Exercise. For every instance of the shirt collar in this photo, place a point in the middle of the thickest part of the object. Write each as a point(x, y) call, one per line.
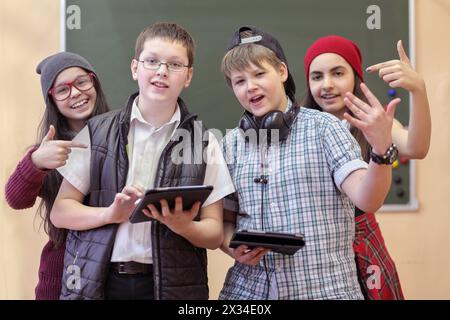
point(136, 115)
point(289, 105)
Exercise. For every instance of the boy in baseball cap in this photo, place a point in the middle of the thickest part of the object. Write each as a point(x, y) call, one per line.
point(303, 184)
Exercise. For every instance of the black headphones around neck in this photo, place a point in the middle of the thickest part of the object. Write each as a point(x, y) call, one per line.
point(278, 120)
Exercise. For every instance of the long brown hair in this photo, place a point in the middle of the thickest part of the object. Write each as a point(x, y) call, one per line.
point(53, 180)
point(309, 102)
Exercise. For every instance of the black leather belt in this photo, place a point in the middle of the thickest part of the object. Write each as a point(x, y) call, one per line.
point(132, 267)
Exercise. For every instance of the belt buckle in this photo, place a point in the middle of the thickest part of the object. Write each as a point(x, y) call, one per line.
point(121, 268)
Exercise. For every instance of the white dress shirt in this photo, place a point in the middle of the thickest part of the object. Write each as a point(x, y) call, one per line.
point(145, 145)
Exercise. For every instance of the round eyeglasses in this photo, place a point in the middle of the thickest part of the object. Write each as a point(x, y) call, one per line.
point(154, 64)
point(82, 83)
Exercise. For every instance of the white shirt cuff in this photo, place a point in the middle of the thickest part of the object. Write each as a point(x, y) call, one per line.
point(343, 172)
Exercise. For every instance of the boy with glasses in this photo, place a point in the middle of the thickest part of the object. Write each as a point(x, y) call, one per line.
point(130, 150)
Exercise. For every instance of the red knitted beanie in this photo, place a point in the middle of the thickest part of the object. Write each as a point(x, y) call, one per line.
point(335, 44)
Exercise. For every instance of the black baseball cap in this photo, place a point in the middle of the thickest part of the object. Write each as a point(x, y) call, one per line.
point(266, 40)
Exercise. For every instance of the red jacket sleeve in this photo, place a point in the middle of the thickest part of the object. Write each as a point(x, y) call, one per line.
point(24, 184)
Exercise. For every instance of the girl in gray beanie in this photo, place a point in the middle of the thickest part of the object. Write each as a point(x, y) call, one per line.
point(72, 94)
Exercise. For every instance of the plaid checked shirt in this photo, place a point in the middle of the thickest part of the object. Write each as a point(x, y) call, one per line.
point(302, 196)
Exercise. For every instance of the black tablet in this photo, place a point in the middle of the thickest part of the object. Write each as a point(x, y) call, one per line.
point(285, 243)
point(190, 195)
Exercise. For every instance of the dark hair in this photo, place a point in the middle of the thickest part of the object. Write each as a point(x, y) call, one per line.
point(169, 31)
point(53, 180)
point(309, 102)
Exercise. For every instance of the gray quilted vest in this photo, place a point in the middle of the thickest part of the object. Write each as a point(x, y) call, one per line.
point(180, 269)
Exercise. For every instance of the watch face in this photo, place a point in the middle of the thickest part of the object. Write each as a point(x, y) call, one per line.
point(388, 158)
point(393, 155)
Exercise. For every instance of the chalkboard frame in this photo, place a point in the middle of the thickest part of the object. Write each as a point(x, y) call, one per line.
point(413, 203)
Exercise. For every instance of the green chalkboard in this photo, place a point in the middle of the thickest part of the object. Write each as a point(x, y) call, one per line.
point(105, 31)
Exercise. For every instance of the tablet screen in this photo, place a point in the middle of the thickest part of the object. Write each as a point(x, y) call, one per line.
point(189, 194)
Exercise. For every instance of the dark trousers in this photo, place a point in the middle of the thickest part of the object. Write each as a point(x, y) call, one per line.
point(129, 286)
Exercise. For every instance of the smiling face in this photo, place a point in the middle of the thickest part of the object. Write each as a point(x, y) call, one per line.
point(78, 107)
point(330, 78)
point(161, 87)
point(260, 89)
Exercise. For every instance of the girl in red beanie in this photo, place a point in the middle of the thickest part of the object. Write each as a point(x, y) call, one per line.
point(333, 69)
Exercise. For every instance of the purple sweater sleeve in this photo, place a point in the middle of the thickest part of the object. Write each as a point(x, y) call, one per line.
point(24, 184)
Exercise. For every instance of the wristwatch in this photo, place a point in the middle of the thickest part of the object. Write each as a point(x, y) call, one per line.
point(387, 158)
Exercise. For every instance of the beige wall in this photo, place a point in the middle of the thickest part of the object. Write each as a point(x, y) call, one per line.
point(417, 241)
point(29, 31)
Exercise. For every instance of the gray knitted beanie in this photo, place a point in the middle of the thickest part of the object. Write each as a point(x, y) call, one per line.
point(50, 67)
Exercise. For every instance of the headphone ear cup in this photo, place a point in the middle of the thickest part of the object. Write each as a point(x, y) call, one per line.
point(247, 122)
point(280, 121)
point(272, 120)
point(290, 116)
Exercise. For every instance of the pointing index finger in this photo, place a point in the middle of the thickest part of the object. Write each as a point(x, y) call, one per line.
point(72, 144)
point(380, 65)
